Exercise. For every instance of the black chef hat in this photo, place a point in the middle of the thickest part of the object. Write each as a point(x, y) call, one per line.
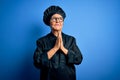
point(50, 11)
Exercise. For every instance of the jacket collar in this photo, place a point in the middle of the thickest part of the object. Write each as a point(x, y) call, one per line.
point(52, 35)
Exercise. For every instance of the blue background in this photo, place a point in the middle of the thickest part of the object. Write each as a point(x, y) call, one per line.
point(94, 23)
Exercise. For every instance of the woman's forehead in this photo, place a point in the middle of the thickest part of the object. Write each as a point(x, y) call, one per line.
point(56, 15)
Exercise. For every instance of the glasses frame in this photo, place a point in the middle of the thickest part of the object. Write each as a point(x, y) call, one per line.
point(55, 19)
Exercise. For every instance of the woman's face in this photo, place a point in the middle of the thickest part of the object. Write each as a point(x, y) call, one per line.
point(56, 22)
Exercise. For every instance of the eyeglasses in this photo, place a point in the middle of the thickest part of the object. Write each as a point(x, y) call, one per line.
point(54, 19)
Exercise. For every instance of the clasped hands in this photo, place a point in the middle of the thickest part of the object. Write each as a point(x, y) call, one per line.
point(59, 44)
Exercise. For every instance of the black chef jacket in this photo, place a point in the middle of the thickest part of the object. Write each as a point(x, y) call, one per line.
point(60, 66)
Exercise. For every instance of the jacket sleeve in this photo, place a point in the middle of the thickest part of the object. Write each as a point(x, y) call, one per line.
point(74, 54)
point(40, 56)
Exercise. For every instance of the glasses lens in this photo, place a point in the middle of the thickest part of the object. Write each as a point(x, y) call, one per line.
point(54, 19)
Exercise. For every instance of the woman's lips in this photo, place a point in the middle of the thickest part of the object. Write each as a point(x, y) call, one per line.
point(56, 24)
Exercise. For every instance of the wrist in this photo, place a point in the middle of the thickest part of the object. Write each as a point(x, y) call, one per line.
point(64, 50)
point(55, 49)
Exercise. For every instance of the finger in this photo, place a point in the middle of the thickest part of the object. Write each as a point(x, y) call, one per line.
point(59, 33)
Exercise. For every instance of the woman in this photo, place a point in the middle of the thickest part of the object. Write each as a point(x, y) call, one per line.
point(56, 53)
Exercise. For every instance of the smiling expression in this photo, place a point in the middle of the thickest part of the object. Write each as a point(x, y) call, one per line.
point(56, 22)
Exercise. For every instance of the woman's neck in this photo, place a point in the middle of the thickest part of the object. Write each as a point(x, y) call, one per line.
point(56, 32)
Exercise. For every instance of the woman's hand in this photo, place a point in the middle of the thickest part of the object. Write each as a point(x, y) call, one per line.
point(59, 43)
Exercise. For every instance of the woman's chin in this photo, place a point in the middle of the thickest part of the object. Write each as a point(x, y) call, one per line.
point(57, 29)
